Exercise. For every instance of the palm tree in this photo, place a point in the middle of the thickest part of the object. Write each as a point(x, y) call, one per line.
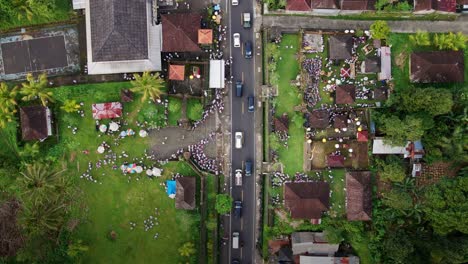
point(45, 218)
point(41, 183)
point(37, 89)
point(24, 9)
point(70, 106)
point(148, 85)
point(5, 118)
point(8, 98)
point(187, 249)
point(421, 38)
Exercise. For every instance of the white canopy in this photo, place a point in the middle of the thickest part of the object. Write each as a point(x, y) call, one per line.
point(216, 74)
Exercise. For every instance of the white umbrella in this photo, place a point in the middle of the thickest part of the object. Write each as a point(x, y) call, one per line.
point(113, 126)
point(172, 196)
point(138, 169)
point(157, 172)
point(350, 150)
point(123, 134)
point(338, 82)
point(143, 133)
point(344, 129)
point(103, 128)
point(337, 145)
point(149, 172)
point(101, 149)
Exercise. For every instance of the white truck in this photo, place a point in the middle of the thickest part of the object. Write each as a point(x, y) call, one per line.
point(246, 20)
point(235, 240)
point(238, 177)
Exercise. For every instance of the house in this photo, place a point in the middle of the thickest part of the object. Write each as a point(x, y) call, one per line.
point(371, 65)
point(217, 74)
point(426, 6)
point(285, 255)
point(328, 260)
point(185, 193)
point(298, 5)
point(180, 32)
point(307, 200)
point(313, 243)
point(340, 47)
point(380, 93)
point(36, 122)
point(345, 94)
point(318, 119)
point(176, 72)
point(437, 67)
point(358, 196)
point(358, 5)
point(385, 64)
point(340, 121)
point(324, 4)
point(335, 161)
point(121, 37)
point(413, 150)
point(281, 124)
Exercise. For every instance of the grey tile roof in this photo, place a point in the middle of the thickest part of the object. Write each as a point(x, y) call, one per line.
point(119, 30)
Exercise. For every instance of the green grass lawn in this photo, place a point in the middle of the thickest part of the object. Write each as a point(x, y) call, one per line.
point(289, 96)
point(194, 109)
point(174, 116)
point(116, 199)
point(338, 196)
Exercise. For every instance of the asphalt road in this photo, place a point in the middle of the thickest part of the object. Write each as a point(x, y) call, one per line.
point(243, 121)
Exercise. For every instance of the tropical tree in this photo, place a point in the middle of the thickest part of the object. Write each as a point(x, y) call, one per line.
point(187, 249)
point(195, 112)
point(37, 89)
point(70, 106)
point(8, 98)
point(421, 38)
point(398, 131)
point(223, 203)
point(392, 171)
point(5, 118)
point(450, 41)
point(42, 219)
point(41, 183)
point(434, 101)
point(33, 8)
point(148, 85)
point(380, 29)
point(30, 150)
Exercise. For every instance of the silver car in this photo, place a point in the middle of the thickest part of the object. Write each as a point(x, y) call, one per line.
point(238, 140)
point(237, 42)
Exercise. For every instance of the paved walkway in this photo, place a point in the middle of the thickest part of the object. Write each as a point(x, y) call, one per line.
point(408, 26)
point(175, 138)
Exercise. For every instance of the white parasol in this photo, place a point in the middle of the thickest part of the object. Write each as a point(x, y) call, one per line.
point(103, 128)
point(101, 149)
point(113, 126)
point(337, 145)
point(143, 133)
point(138, 169)
point(172, 196)
point(149, 172)
point(123, 134)
point(157, 172)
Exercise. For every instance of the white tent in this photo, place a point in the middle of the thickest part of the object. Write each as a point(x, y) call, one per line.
point(217, 74)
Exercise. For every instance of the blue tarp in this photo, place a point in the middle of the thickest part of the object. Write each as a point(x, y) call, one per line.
point(171, 187)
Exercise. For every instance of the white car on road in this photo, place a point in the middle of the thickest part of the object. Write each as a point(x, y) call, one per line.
point(235, 2)
point(237, 42)
point(238, 140)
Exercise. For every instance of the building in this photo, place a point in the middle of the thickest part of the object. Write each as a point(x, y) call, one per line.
point(357, 5)
point(318, 119)
point(176, 72)
point(340, 47)
point(413, 150)
point(121, 37)
point(205, 36)
point(298, 5)
point(340, 121)
point(380, 93)
point(358, 196)
point(185, 193)
point(180, 32)
point(345, 94)
point(281, 124)
point(328, 260)
point(335, 161)
point(307, 200)
point(36, 122)
point(427, 6)
point(437, 67)
point(371, 65)
point(313, 243)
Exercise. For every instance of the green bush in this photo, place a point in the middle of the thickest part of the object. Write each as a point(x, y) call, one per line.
point(194, 109)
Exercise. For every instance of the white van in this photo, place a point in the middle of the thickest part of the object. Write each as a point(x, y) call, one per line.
point(238, 177)
point(235, 240)
point(238, 139)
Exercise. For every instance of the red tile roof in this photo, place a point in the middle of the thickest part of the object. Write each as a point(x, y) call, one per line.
point(340, 121)
point(437, 67)
point(345, 94)
point(319, 119)
point(307, 200)
point(205, 36)
point(176, 72)
point(358, 196)
point(34, 122)
point(180, 32)
point(324, 4)
point(281, 124)
point(298, 5)
point(358, 4)
point(439, 5)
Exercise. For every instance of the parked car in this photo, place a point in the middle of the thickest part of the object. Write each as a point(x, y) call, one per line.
point(238, 140)
point(236, 37)
point(246, 22)
point(235, 261)
point(248, 168)
point(235, 2)
point(239, 87)
point(248, 49)
point(238, 177)
point(251, 103)
point(238, 209)
point(235, 240)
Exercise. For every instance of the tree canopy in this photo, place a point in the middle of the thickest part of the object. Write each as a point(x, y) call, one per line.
point(223, 203)
point(380, 29)
point(398, 131)
point(434, 101)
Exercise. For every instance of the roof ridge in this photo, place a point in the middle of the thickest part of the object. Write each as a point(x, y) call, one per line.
point(183, 31)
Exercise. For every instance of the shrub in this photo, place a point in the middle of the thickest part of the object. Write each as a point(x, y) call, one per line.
point(194, 110)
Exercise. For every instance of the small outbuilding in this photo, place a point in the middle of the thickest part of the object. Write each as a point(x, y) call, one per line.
point(345, 94)
point(185, 193)
point(36, 122)
point(176, 72)
point(358, 196)
point(340, 47)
